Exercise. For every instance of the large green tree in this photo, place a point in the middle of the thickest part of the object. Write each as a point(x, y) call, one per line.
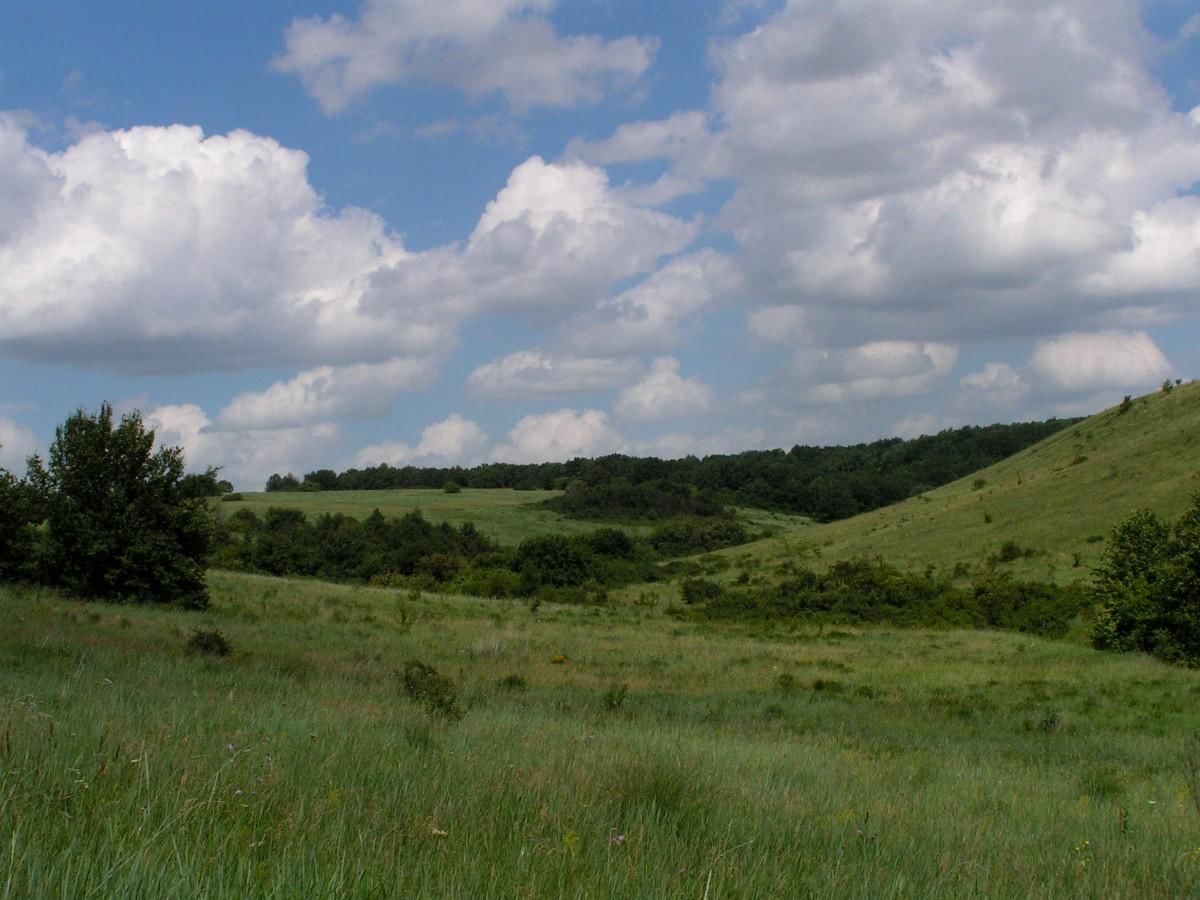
point(1147, 587)
point(124, 522)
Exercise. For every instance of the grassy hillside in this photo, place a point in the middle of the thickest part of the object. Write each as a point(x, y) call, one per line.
point(605, 752)
point(1057, 500)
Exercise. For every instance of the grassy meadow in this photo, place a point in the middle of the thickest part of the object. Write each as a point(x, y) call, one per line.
point(1056, 500)
point(604, 752)
point(506, 516)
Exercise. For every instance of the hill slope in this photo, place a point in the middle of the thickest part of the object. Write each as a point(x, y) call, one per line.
point(1055, 500)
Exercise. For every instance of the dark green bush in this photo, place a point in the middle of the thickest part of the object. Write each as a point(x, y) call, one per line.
point(1147, 587)
point(208, 642)
point(437, 693)
point(699, 590)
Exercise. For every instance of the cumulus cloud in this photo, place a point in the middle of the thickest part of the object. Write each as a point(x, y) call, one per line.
point(663, 394)
point(482, 47)
point(895, 165)
point(996, 383)
point(452, 442)
point(162, 250)
point(778, 324)
point(874, 371)
point(1106, 359)
point(327, 392)
point(532, 373)
point(246, 458)
point(654, 314)
point(17, 442)
point(560, 435)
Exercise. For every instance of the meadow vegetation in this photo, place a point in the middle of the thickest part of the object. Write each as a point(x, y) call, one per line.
point(597, 751)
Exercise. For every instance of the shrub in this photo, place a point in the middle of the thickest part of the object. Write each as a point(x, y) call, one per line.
point(699, 590)
point(614, 697)
point(1147, 587)
point(208, 642)
point(512, 683)
point(437, 693)
point(451, 487)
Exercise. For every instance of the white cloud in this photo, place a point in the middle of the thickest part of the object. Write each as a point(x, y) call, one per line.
point(878, 370)
point(246, 458)
point(1106, 359)
point(560, 435)
point(17, 442)
point(532, 373)
point(996, 383)
point(663, 394)
point(778, 324)
point(453, 441)
point(326, 393)
point(160, 250)
point(653, 314)
point(895, 165)
point(482, 47)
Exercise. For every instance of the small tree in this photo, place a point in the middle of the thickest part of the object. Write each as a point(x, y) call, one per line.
point(124, 522)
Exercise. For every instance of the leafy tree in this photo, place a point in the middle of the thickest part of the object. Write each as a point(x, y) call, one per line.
point(124, 523)
point(1147, 587)
point(19, 516)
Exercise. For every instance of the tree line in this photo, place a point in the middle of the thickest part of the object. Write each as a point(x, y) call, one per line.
point(826, 483)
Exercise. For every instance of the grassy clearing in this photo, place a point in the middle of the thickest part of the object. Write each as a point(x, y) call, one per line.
point(804, 762)
point(506, 516)
point(1057, 499)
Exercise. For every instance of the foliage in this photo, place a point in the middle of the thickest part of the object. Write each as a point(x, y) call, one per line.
point(19, 539)
point(451, 487)
point(208, 642)
point(825, 483)
point(699, 590)
point(691, 536)
point(870, 591)
point(437, 693)
point(1147, 587)
point(124, 522)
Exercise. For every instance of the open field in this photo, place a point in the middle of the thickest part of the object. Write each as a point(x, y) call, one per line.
point(781, 763)
point(504, 515)
point(1058, 498)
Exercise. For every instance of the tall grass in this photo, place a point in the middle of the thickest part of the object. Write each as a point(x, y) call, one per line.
point(885, 763)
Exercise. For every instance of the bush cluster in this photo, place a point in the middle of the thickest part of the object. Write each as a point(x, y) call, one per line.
point(1147, 587)
point(870, 591)
point(411, 551)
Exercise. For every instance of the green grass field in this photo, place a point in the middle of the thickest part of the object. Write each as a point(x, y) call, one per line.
point(506, 516)
point(784, 763)
point(1058, 498)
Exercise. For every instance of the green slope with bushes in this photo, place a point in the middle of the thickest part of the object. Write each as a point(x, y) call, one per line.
point(1043, 513)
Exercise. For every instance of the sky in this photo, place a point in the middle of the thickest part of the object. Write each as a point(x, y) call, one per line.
point(336, 233)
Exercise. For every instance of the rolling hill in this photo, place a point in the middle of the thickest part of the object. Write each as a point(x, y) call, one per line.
point(1053, 503)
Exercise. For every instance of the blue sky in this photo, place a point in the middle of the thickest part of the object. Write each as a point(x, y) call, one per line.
point(327, 234)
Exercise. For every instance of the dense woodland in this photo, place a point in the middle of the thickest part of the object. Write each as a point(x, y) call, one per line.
point(826, 483)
